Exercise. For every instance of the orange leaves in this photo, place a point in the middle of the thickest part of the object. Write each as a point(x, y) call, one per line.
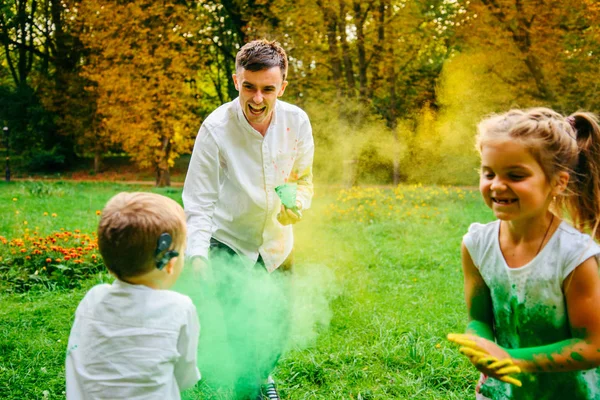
point(140, 61)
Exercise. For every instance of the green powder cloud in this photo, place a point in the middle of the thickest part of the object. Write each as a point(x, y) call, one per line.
point(250, 318)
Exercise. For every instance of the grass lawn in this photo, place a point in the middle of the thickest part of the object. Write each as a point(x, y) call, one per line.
point(395, 255)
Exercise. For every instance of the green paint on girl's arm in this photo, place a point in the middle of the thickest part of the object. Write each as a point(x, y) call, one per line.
point(570, 354)
point(480, 314)
point(481, 329)
point(550, 351)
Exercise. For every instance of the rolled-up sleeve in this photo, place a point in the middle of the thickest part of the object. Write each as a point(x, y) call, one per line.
point(303, 165)
point(200, 192)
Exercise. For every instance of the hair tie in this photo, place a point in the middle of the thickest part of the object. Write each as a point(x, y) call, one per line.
point(571, 121)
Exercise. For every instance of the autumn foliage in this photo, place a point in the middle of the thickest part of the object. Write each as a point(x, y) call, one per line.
point(141, 53)
point(138, 76)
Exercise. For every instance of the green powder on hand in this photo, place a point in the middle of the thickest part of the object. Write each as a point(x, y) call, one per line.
point(287, 194)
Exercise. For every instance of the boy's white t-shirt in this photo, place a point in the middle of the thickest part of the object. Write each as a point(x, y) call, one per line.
point(132, 342)
point(529, 307)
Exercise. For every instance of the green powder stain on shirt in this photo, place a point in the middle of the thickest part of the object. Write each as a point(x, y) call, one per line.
point(540, 329)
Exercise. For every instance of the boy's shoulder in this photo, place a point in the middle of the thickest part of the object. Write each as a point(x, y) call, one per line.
point(136, 305)
point(122, 290)
point(96, 293)
point(173, 297)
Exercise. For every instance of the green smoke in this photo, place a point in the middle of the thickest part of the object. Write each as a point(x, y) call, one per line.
point(249, 318)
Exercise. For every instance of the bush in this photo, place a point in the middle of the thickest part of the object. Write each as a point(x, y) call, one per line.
point(58, 261)
point(46, 160)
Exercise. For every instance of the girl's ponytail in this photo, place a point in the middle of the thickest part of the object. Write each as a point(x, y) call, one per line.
point(584, 203)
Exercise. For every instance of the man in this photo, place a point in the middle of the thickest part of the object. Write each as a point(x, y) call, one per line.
point(244, 150)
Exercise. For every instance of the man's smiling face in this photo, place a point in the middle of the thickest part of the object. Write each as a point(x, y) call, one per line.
point(259, 91)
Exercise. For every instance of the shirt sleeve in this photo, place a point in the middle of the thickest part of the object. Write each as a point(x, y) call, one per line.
point(200, 192)
point(579, 250)
point(186, 369)
point(303, 165)
point(471, 242)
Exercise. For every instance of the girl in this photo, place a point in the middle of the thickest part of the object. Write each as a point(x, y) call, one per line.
point(531, 279)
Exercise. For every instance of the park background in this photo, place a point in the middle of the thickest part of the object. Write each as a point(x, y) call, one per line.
point(394, 88)
point(116, 91)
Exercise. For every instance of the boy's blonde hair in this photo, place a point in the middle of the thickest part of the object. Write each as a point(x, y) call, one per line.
point(130, 227)
point(558, 143)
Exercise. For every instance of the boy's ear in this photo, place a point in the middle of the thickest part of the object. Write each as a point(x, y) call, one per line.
point(170, 267)
point(560, 183)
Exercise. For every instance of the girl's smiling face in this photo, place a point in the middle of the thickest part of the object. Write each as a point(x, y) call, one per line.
point(512, 182)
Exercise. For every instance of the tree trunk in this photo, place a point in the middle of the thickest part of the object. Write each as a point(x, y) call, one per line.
point(163, 176)
point(330, 22)
point(378, 48)
point(360, 17)
point(396, 156)
point(347, 57)
point(393, 116)
point(350, 173)
point(97, 161)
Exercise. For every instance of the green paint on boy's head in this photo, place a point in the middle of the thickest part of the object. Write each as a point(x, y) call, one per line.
point(577, 357)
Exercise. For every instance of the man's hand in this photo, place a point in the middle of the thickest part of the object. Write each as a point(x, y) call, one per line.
point(288, 216)
point(487, 357)
point(201, 268)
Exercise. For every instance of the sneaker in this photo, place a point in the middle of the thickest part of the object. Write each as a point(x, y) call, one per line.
point(269, 391)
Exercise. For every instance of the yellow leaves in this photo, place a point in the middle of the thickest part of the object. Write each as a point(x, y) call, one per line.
point(139, 63)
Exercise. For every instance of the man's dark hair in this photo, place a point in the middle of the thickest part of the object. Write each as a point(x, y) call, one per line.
point(258, 55)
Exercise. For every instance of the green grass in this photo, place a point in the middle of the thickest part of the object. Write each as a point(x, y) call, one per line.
point(399, 293)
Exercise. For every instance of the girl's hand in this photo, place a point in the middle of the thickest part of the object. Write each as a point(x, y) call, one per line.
point(489, 358)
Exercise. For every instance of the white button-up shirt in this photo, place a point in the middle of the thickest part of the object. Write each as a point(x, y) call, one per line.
point(132, 342)
point(229, 190)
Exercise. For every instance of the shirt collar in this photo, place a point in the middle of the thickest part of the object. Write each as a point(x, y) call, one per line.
point(129, 286)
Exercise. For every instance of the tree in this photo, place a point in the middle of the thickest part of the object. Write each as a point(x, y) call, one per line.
point(380, 57)
point(141, 55)
point(548, 46)
point(26, 37)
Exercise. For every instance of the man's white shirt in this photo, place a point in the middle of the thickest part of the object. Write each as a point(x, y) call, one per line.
point(229, 192)
point(132, 342)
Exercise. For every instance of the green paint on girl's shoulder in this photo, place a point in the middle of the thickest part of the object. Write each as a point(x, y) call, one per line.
point(577, 357)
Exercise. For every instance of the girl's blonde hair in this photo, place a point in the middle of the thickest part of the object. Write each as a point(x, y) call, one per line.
point(558, 143)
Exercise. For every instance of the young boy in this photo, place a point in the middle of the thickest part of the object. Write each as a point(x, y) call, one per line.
point(134, 339)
